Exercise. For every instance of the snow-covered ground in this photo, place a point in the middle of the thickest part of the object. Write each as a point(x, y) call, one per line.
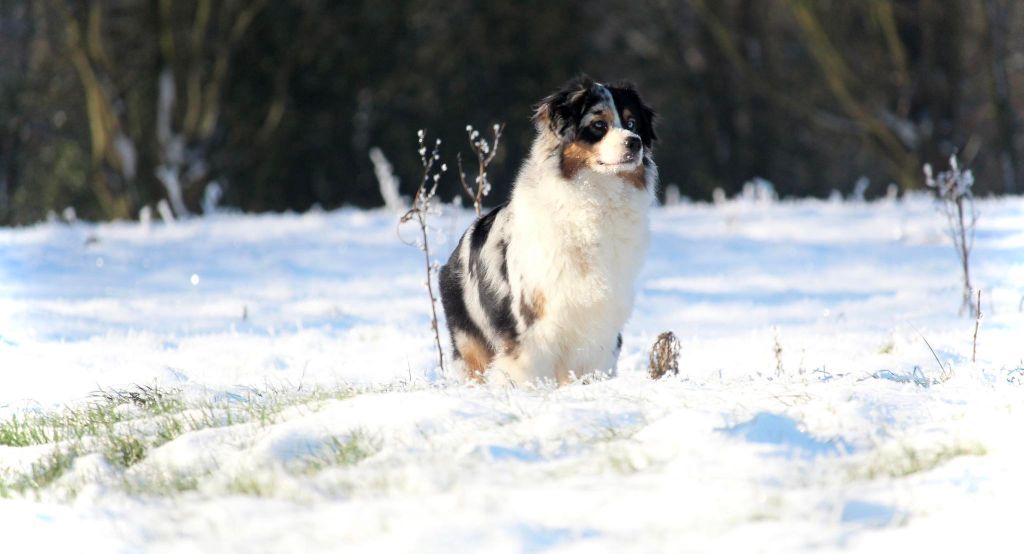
point(851, 438)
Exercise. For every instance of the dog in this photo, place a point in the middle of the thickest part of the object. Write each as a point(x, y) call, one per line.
point(538, 290)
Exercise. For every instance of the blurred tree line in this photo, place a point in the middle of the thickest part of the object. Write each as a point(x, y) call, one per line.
point(112, 105)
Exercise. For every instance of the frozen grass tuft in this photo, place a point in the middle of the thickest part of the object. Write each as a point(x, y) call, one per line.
point(69, 424)
point(345, 451)
point(125, 426)
point(902, 460)
point(124, 450)
point(42, 473)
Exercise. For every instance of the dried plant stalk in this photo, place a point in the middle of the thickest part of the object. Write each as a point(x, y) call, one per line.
point(954, 189)
point(420, 211)
point(485, 153)
point(664, 357)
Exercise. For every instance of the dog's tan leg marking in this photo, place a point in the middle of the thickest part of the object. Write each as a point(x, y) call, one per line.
point(534, 310)
point(539, 301)
point(476, 355)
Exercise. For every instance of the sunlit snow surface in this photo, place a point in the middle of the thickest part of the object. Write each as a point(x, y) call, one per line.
point(731, 456)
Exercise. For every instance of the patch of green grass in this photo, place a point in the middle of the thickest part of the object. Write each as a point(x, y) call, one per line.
point(161, 483)
point(342, 451)
point(622, 463)
point(125, 425)
point(68, 424)
point(25, 431)
point(168, 429)
point(908, 460)
point(337, 392)
point(353, 449)
point(112, 407)
point(249, 485)
point(124, 450)
point(42, 473)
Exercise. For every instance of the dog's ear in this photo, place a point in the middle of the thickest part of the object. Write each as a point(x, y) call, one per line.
point(627, 95)
point(562, 110)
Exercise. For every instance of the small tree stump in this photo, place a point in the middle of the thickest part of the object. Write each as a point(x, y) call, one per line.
point(664, 356)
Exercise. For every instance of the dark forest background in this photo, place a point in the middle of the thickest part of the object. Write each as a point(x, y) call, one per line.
point(103, 103)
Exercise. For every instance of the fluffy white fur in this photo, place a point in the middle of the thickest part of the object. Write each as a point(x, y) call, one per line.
point(581, 245)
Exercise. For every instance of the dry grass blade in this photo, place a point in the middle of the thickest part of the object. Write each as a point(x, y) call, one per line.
point(977, 323)
point(946, 373)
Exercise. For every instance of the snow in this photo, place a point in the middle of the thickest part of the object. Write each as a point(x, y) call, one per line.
point(858, 443)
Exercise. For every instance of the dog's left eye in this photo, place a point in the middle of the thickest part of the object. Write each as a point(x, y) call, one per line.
point(631, 124)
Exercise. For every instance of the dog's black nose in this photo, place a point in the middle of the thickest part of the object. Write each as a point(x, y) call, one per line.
point(633, 143)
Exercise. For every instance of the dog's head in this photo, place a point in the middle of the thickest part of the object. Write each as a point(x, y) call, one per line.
point(602, 128)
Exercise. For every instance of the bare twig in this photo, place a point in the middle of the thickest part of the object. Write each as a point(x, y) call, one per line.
point(777, 349)
point(977, 323)
point(954, 189)
point(485, 153)
point(462, 179)
point(664, 356)
point(420, 210)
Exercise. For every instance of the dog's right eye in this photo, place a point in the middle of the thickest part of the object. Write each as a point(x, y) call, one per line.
point(599, 126)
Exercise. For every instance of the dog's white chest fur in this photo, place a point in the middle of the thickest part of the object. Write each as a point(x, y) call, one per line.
point(576, 248)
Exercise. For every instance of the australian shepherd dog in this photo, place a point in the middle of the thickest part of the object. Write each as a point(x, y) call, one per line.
point(539, 288)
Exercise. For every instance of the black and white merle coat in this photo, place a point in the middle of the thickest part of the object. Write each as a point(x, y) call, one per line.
point(539, 289)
